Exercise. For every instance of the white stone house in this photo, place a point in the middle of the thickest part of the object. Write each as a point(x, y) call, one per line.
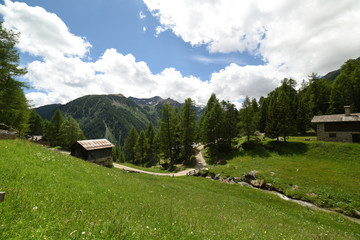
point(338, 127)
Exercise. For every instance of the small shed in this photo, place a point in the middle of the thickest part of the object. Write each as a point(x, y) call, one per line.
point(98, 151)
point(338, 127)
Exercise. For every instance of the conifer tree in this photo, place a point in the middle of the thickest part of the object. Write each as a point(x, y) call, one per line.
point(129, 146)
point(230, 129)
point(188, 127)
point(166, 133)
point(140, 149)
point(35, 123)
point(151, 150)
point(247, 123)
point(70, 132)
point(55, 124)
point(13, 104)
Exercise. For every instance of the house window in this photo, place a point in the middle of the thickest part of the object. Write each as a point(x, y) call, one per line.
point(332, 135)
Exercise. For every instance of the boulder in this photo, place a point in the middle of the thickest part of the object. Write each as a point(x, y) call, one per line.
point(255, 183)
point(237, 179)
point(249, 176)
point(243, 184)
point(217, 177)
point(231, 181)
point(269, 186)
point(262, 184)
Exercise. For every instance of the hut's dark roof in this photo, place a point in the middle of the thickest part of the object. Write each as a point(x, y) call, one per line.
point(354, 117)
point(95, 144)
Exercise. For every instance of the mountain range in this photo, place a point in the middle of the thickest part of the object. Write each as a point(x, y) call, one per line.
point(112, 116)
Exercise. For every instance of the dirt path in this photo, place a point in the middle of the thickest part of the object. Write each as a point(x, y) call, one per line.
point(200, 164)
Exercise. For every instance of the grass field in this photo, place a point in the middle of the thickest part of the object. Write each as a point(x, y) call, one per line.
point(54, 196)
point(324, 173)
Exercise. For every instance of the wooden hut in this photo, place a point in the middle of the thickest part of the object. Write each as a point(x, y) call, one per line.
point(98, 151)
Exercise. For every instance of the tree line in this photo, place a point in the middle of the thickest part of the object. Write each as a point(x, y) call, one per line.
point(284, 111)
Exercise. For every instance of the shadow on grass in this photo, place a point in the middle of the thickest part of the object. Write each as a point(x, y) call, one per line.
point(287, 148)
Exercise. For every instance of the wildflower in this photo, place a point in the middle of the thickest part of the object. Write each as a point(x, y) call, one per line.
point(147, 227)
point(35, 208)
point(73, 232)
point(83, 233)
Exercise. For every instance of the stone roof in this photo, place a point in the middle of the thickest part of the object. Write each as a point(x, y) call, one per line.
point(95, 144)
point(354, 117)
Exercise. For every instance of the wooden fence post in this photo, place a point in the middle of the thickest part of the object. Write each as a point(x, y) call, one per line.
point(2, 196)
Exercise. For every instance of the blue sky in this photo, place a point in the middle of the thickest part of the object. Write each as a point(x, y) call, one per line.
point(117, 24)
point(179, 48)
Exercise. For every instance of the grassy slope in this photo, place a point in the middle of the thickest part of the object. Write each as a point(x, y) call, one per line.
point(54, 196)
point(326, 173)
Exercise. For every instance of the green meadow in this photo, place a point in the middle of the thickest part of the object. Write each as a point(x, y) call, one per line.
point(50, 195)
point(325, 173)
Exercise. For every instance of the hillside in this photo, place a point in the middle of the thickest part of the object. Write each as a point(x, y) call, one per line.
point(54, 196)
point(331, 76)
point(307, 170)
point(111, 116)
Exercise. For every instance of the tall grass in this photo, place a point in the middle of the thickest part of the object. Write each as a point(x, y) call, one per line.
point(53, 196)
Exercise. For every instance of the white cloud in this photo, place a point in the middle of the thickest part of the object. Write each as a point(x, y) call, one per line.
point(302, 36)
point(62, 74)
point(42, 33)
point(142, 15)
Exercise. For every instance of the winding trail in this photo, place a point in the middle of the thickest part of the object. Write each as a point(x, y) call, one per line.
point(200, 164)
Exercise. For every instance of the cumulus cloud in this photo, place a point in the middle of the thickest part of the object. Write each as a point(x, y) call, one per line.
point(42, 33)
point(63, 73)
point(301, 36)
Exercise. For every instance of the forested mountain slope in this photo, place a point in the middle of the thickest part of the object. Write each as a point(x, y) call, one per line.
point(111, 116)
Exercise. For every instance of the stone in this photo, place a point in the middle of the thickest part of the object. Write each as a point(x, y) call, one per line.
point(249, 176)
point(237, 179)
point(231, 182)
point(2, 196)
point(295, 187)
point(208, 177)
point(243, 184)
point(255, 183)
point(269, 186)
point(262, 184)
point(357, 213)
point(217, 176)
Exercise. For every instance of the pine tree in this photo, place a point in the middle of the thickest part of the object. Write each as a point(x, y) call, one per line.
point(284, 117)
point(35, 123)
point(263, 114)
point(272, 129)
point(151, 151)
point(140, 149)
point(188, 127)
point(176, 135)
point(247, 123)
point(166, 133)
point(70, 132)
point(55, 124)
point(13, 104)
point(212, 121)
point(230, 129)
point(129, 146)
point(203, 131)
